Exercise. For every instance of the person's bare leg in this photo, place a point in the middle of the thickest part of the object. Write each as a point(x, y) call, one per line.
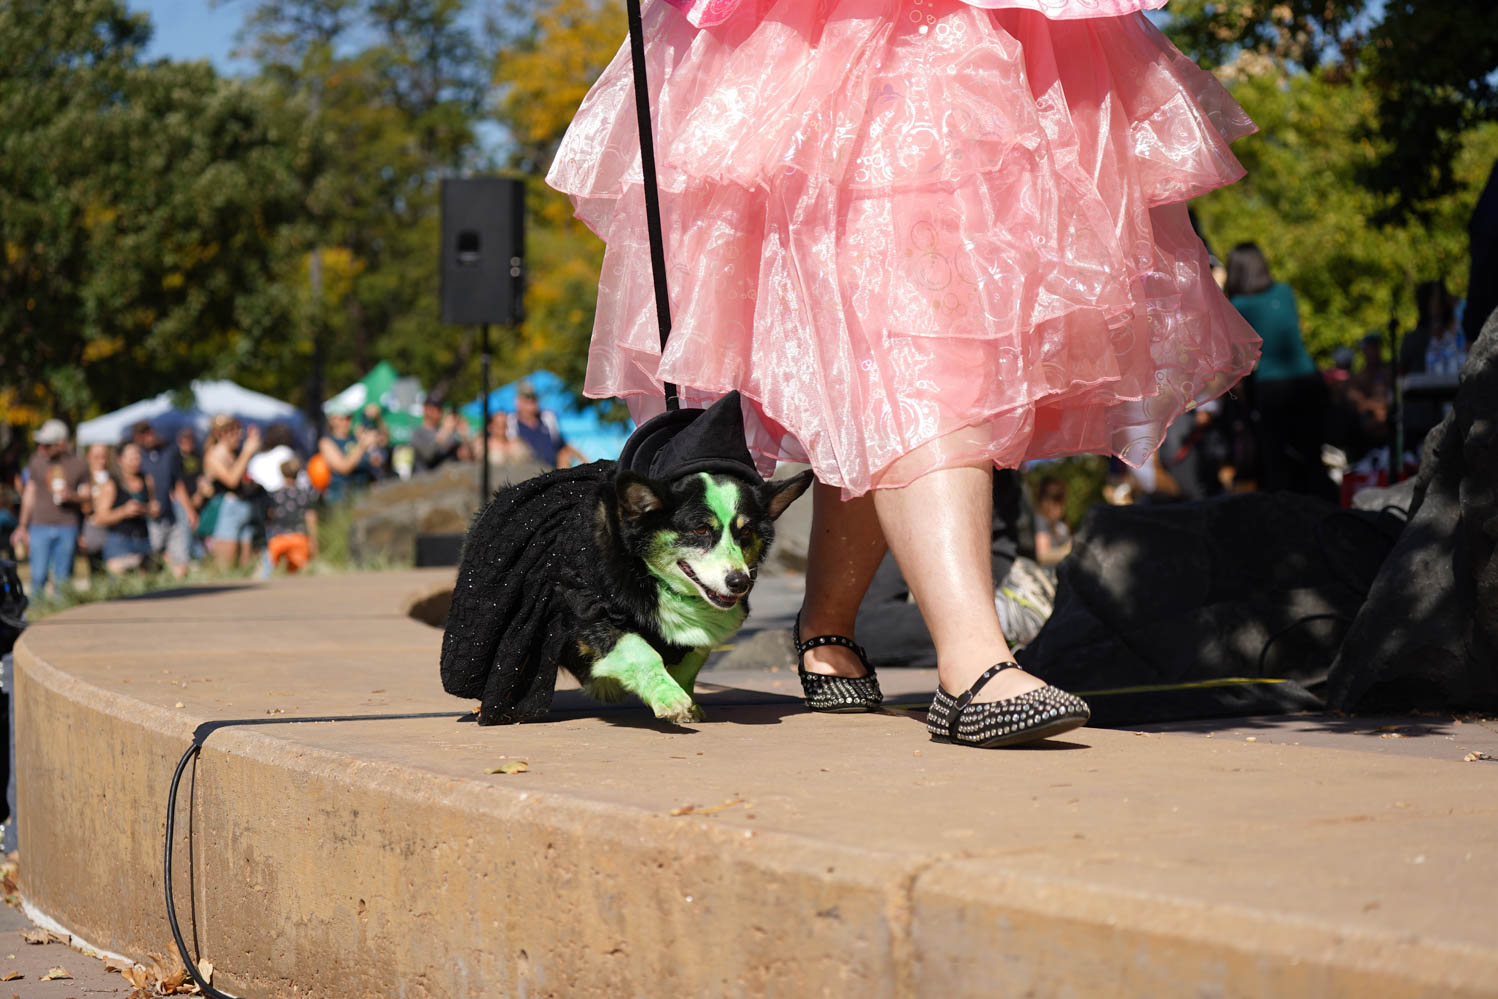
point(844, 552)
point(223, 553)
point(938, 527)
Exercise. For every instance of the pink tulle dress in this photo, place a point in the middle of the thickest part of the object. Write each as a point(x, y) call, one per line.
point(914, 233)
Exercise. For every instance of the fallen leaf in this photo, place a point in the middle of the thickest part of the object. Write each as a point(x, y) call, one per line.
point(513, 767)
point(1252, 738)
point(1474, 757)
point(206, 970)
point(1391, 735)
point(137, 976)
point(181, 705)
point(56, 974)
point(35, 936)
point(710, 809)
point(12, 976)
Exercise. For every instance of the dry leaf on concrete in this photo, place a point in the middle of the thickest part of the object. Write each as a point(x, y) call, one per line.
point(708, 810)
point(56, 974)
point(513, 767)
point(1474, 757)
point(1391, 735)
point(12, 976)
point(40, 936)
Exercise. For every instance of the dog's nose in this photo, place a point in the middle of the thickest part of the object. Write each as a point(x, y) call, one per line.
point(738, 582)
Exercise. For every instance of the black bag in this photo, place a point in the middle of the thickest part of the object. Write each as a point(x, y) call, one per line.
point(12, 606)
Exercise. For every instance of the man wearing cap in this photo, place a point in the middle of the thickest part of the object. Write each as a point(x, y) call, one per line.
point(439, 438)
point(170, 531)
point(52, 508)
point(540, 431)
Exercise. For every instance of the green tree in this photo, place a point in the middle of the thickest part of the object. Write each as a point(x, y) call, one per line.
point(394, 89)
point(1429, 65)
point(1303, 203)
point(143, 209)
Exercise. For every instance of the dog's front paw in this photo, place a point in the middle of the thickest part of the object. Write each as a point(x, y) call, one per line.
point(676, 707)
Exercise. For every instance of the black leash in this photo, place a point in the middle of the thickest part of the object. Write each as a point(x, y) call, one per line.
point(652, 193)
point(171, 904)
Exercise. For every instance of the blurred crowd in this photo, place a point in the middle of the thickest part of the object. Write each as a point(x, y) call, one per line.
point(238, 498)
point(1323, 430)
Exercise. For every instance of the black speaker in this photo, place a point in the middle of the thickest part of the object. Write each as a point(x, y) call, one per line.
point(483, 250)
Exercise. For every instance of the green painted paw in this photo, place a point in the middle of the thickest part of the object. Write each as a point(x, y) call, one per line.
point(671, 703)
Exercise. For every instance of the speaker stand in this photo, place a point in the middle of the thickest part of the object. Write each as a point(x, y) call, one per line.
point(484, 428)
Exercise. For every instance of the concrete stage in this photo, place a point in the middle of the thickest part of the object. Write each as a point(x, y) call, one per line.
point(339, 835)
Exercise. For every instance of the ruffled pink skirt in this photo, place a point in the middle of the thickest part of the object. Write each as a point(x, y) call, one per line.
point(914, 233)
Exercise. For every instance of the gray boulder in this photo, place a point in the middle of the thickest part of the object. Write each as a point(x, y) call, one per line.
point(1427, 636)
point(391, 513)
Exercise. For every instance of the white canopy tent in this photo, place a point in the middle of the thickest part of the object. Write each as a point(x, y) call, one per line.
point(209, 398)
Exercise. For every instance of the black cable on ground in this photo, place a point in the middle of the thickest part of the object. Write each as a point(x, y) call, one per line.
point(171, 905)
point(1307, 619)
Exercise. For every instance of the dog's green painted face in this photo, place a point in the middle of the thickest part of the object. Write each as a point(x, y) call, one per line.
point(712, 545)
point(702, 537)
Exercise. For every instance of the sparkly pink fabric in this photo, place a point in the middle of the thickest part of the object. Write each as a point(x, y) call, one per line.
point(913, 233)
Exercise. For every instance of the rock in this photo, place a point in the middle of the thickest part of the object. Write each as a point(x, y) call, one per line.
point(1427, 637)
point(1397, 497)
point(391, 513)
point(1184, 596)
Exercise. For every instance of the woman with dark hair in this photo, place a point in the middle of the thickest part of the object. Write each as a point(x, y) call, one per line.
point(1290, 395)
point(123, 504)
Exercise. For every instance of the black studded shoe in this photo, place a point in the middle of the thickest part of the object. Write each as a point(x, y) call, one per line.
point(1036, 714)
point(841, 694)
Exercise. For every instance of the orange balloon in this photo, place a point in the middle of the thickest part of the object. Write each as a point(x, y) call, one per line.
point(319, 473)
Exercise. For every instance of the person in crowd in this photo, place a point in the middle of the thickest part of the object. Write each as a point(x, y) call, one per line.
point(347, 454)
point(1437, 343)
point(539, 431)
point(373, 418)
point(291, 521)
point(1289, 392)
point(228, 519)
point(1435, 346)
point(1370, 393)
point(504, 448)
point(52, 508)
point(440, 437)
point(265, 467)
point(101, 469)
point(124, 505)
point(170, 532)
point(1052, 534)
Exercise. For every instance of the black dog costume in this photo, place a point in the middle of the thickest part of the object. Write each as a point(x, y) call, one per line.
point(545, 567)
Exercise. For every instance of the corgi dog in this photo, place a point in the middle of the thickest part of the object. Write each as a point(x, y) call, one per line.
point(625, 581)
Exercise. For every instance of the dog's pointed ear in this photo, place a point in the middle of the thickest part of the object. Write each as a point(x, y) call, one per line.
point(637, 495)
point(781, 493)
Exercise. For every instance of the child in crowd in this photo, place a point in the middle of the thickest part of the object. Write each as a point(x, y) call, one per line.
point(1052, 535)
point(291, 520)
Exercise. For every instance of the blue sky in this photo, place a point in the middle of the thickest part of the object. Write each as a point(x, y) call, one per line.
point(193, 29)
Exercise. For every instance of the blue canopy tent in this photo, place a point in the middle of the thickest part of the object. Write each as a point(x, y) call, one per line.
point(208, 399)
point(583, 428)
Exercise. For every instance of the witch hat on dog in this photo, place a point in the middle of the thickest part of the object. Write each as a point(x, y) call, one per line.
point(677, 441)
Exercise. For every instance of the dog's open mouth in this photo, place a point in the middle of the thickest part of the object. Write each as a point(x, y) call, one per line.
point(723, 600)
